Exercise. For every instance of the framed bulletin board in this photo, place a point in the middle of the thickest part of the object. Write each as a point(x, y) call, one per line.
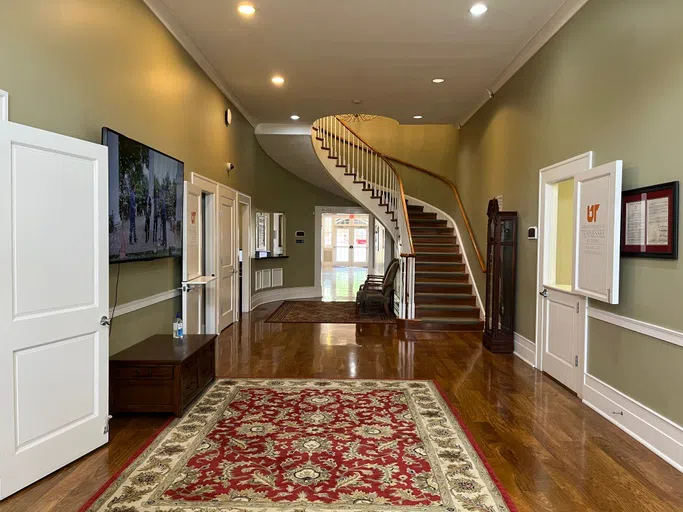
point(650, 221)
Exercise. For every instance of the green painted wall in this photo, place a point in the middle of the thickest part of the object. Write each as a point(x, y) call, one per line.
point(610, 81)
point(433, 147)
point(74, 66)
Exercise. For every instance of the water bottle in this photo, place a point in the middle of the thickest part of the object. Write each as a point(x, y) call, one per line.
point(179, 326)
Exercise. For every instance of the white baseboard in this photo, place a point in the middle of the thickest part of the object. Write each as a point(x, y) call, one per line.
point(129, 307)
point(662, 436)
point(303, 292)
point(525, 349)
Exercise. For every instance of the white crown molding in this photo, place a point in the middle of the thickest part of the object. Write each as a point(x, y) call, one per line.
point(303, 292)
point(654, 331)
point(551, 27)
point(525, 349)
point(166, 15)
point(129, 307)
point(4, 105)
point(654, 431)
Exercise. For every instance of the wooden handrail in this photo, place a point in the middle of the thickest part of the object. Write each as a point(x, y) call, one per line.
point(457, 198)
point(398, 180)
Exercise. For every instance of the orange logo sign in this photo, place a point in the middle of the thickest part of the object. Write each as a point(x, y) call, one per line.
point(194, 215)
point(592, 214)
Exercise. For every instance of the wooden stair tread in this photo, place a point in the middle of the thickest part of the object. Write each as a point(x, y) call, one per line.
point(450, 320)
point(447, 307)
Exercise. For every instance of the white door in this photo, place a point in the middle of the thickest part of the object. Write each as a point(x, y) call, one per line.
point(54, 351)
point(193, 259)
point(561, 332)
point(227, 250)
point(192, 233)
point(597, 232)
point(360, 247)
point(342, 247)
point(561, 329)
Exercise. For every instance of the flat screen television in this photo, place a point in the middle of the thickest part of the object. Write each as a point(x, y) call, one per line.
point(145, 201)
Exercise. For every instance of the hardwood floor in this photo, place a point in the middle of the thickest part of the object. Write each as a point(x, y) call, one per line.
point(551, 452)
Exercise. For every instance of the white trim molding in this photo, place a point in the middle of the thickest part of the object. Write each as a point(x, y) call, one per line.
point(166, 15)
point(302, 292)
point(440, 214)
point(525, 349)
point(657, 433)
point(4, 105)
point(559, 19)
point(654, 331)
point(135, 305)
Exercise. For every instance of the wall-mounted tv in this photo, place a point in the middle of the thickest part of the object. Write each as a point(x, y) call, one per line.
point(145, 201)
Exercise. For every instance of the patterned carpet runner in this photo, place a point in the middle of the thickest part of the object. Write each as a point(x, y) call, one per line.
point(310, 446)
point(293, 311)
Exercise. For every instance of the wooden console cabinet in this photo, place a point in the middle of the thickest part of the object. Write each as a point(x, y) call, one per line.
point(162, 374)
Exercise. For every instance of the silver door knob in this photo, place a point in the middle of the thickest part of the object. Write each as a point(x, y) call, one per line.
point(544, 293)
point(105, 321)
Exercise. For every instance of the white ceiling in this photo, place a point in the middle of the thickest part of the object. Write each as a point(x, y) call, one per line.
point(383, 52)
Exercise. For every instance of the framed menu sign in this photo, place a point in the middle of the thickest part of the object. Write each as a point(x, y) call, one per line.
point(650, 221)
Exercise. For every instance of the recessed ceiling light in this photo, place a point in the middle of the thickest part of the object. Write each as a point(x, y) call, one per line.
point(417, 117)
point(277, 80)
point(295, 117)
point(438, 80)
point(246, 9)
point(478, 9)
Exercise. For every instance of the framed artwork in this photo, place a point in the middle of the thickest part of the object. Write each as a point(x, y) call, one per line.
point(649, 226)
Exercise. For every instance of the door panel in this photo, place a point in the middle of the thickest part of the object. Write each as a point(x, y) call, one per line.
point(193, 232)
point(227, 252)
point(53, 256)
point(561, 332)
point(597, 207)
point(342, 242)
point(360, 247)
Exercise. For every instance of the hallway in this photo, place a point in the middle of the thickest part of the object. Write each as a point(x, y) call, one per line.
point(340, 284)
point(550, 451)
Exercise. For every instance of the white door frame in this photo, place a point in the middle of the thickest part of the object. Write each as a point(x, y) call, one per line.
point(247, 250)
point(318, 241)
point(212, 187)
point(550, 175)
point(4, 105)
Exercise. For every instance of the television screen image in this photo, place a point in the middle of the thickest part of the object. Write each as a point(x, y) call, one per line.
point(145, 201)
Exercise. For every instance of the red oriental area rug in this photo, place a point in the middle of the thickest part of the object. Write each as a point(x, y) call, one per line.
point(310, 446)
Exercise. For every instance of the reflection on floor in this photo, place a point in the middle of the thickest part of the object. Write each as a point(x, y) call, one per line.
point(340, 284)
point(550, 451)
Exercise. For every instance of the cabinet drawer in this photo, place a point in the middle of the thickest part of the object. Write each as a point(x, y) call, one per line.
point(143, 372)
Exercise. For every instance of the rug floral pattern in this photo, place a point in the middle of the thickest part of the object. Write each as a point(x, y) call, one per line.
point(309, 446)
point(300, 311)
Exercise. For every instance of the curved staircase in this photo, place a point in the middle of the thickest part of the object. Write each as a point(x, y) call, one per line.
point(433, 285)
point(444, 298)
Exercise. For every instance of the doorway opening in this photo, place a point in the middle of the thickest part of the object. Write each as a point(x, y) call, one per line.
point(346, 244)
point(560, 313)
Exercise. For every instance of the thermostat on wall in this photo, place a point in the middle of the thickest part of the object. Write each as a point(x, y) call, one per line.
point(532, 234)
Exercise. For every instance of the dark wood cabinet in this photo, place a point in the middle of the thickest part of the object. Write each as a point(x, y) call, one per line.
point(162, 374)
point(501, 276)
